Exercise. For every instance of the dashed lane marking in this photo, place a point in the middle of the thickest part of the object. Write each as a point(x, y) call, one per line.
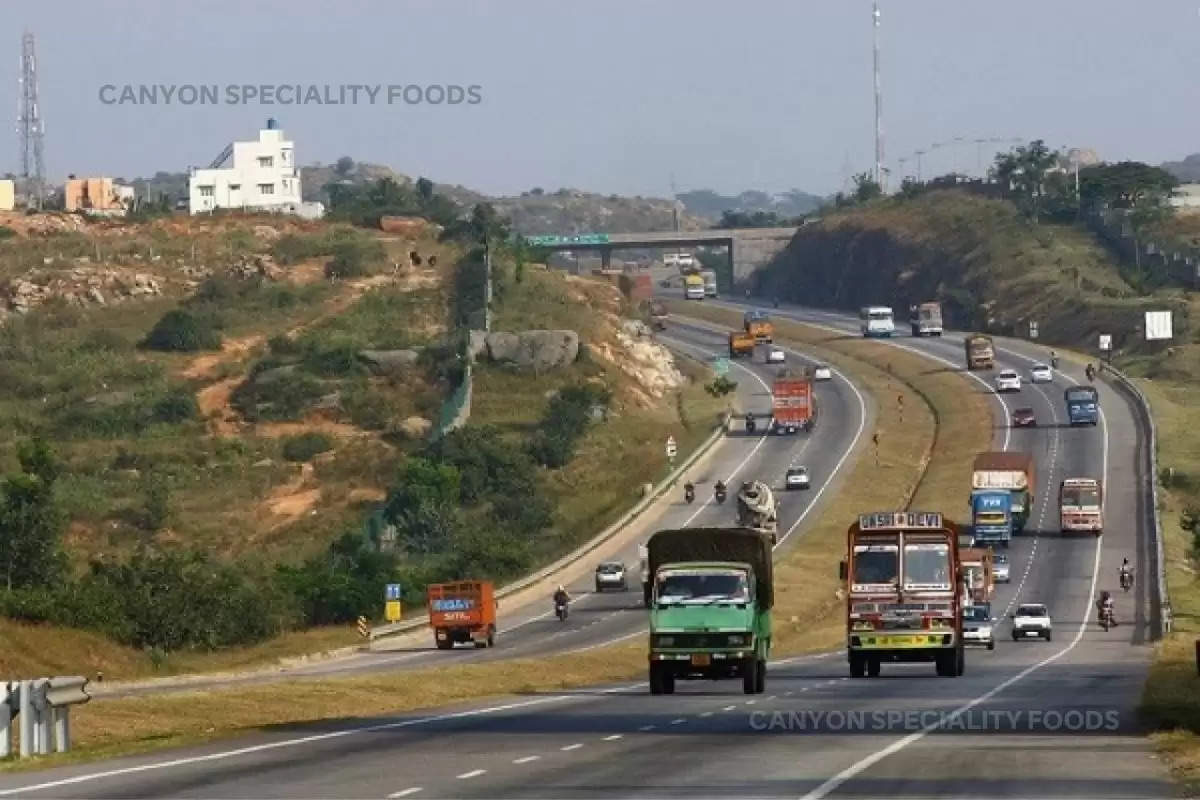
point(679, 721)
point(404, 792)
point(613, 737)
point(525, 759)
point(475, 773)
point(647, 728)
point(570, 747)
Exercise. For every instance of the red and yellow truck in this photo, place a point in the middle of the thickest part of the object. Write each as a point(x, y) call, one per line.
point(793, 404)
point(464, 611)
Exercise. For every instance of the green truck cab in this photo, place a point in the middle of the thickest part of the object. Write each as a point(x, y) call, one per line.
point(710, 606)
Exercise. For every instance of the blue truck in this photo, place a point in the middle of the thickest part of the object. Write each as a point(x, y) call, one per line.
point(991, 517)
point(1083, 405)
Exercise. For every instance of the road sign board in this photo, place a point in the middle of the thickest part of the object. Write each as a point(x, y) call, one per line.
point(558, 241)
point(1158, 325)
point(391, 610)
point(1033, 330)
point(671, 449)
point(720, 366)
point(1106, 341)
point(392, 592)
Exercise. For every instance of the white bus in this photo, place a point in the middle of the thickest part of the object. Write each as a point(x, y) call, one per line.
point(1080, 504)
point(877, 321)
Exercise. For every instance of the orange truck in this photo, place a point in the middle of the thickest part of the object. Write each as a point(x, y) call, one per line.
point(793, 405)
point(462, 612)
point(758, 325)
point(741, 344)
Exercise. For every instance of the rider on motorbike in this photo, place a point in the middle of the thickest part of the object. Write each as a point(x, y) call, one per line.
point(561, 598)
point(1126, 571)
point(689, 490)
point(1106, 605)
point(1054, 359)
point(1091, 372)
point(719, 487)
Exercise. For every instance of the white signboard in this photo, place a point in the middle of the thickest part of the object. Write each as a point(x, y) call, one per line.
point(1105, 341)
point(998, 479)
point(1158, 325)
point(671, 447)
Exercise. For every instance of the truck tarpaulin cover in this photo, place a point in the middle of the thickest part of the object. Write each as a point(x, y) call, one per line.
point(741, 545)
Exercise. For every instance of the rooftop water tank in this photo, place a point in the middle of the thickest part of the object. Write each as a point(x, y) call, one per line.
point(272, 124)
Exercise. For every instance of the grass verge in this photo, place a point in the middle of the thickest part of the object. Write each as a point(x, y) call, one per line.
point(808, 615)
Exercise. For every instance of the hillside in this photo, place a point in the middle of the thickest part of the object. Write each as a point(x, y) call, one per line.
point(710, 205)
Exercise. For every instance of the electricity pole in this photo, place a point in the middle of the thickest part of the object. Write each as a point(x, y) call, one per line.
point(878, 102)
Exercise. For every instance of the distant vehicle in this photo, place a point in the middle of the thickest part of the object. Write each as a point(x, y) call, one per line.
point(775, 355)
point(1024, 418)
point(1041, 373)
point(1083, 405)
point(1000, 568)
point(758, 324)
point(876, 321)
point(710, 282)
point(796, 478)
point(822, 373)
point(979, 352)
point(693, 287)
point(658, 315)
point(926, 319)
point(611, 575)
point(1081, 506)
point(1008, 381)
point(670, 259)
point(1031, 620)
point(464, 611)
point(686, 261)
point(740, 344)
point(995, 474)
point(793, 404)
point(977, 626)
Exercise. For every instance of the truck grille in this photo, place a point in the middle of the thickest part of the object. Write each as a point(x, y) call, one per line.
point(700, 641)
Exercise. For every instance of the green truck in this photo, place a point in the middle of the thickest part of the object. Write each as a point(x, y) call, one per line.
point(710, 606)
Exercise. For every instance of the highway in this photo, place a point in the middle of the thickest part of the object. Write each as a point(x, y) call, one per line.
point(1030, 719)
point(596, 619)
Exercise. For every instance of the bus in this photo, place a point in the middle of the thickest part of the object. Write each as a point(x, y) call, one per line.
point(877, 321)
point(1080, 505)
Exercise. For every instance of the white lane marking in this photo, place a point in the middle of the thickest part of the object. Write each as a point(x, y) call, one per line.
point(613, 737)
point(679, 721)
point(475, 773)
point(316, 737)
point(769, 699)
point(525, 759)
point(706, 713)
point(788, 694)
point(647, 728)
point(571, 747)
point(858, 767)
point(729, 708)
point(404, 792)
point(751, 702)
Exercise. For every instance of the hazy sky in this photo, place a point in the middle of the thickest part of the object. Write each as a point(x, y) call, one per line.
point(615, 96)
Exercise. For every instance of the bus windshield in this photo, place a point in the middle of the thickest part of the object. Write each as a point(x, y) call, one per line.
point(927, 566)
point(1080, 496)
point(879, 315)
point(876, 564)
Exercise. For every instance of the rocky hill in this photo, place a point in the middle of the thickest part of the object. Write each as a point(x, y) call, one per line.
point(710, 205)
point(1187, 170)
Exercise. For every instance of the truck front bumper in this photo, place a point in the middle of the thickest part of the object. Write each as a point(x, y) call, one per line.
point(712, 665)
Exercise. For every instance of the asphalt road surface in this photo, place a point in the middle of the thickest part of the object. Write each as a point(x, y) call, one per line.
point(1029, 719)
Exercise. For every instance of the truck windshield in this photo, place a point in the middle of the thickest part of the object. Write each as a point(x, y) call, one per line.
point(1081, 395)
point(879, 315)
point(876, 564)
point(1080, 496)
point(927, 565)
point(701, 587)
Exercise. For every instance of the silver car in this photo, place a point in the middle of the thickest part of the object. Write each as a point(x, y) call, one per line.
point(1000, 568)
point(611, 575)
point(977, 626)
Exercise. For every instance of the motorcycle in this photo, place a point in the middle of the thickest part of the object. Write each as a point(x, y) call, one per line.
point(719, 495)
point(1054, 362)
point(560, 610)
point(1127, 580)
point(1091, 373)
point(1107, 620)
point(750, 425)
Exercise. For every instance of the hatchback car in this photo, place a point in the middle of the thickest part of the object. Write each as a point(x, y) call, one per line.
point(1008, 381)
point(1024, 418)
point(977, 626)
point(1041, 373)
point(822, 373)
point(611, 575)
point(1032, 620)
point(1000, 568)
point(775, 355)
point(796, 478)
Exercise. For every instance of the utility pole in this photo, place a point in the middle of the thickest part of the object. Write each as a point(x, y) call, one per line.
point(878, 102)
point(29, 123)
point(674, 204)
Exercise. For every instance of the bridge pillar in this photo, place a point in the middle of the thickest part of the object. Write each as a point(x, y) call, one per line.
point(605, 258)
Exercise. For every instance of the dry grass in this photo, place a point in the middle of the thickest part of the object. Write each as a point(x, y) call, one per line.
point(808, 614)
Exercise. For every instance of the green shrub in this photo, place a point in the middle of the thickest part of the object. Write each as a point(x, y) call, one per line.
point(283, 397)
point(6, 232)
point(331, 359)
point(306, 445)
point(181, 331)
point(156, 509)
point(177, 405)
point(565, 422)
point(349, 261)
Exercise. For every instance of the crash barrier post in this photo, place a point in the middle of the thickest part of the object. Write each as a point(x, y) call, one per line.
point(42, 709)
point(9, 692)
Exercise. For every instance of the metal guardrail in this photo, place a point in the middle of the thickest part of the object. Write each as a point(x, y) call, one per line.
point(42, 708)
point(1161, 605)
point(637, 510)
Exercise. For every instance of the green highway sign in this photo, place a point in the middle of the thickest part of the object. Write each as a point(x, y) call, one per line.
point(558, 241)
point(721, 366)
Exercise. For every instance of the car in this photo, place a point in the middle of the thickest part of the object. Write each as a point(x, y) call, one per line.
point(611, 575)
point(1024, 418)
point(1000, 568)
point(1031, 620)
point(796, 478)
point(1008, 381)
point(1041, 373)
point(977, 626)
point(822, 373)
point(775, 355)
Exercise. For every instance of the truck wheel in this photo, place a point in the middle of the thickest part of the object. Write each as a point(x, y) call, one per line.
point(760, 677)
point(858, 665)
point(992, 645)
point(492, 637)
point(749, 675)
point(655, 679)
point(480, 644)
point(960, 661)
point(443, 644)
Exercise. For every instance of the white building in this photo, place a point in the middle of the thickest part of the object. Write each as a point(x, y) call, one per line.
point(1186, 197)
point(263, 177)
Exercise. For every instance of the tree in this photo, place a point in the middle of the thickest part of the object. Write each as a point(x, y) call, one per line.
point(1129, 184)
point(425, 189)
point(343, 166)
point(1023, 172)
point(866, 188)
point(424, 504)
point(31, 525)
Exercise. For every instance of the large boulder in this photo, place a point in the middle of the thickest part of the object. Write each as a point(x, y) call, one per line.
point(389, 362)
point(536, 350)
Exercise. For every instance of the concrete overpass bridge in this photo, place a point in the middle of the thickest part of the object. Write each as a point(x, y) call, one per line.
point(749, 248)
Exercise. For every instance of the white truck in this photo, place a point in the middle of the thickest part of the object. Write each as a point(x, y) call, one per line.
point(644, 561)
point(757, 508)
point(710, 282)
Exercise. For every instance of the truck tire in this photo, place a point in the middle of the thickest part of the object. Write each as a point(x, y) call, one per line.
point(873, 667)
point(480, 644)
point(749, 675)
point(655, 679)
point(443, 644)
point(858, 665)
point(491, 640)
point(760, 677)
point(960, 661)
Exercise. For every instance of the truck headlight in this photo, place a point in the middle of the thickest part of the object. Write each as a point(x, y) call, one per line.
point(737, 640)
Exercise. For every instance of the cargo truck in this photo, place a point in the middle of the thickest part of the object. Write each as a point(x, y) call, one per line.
point(710, 614)
point(979, 352)
point(1083, 405)
point(991, 516)
point(693, 287)
point(1011, 472)
point(978, 577)
point(793, 404)
point(740, 344)
point(758, 325)
point(710, 282)
point(926, 319)
point(904, 598)
point(1081, 505)
point(462, 612)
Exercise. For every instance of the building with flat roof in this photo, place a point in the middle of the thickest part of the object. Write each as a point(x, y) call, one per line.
point(263, 176)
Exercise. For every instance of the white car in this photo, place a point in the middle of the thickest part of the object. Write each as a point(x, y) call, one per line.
point(775, 355)
point(977, 626)
point(1008, 381)
point(796, 478)
point(1031, 620)
point(1041, 373)
point(822, 373)
point(610, 575)
point(1000, 568)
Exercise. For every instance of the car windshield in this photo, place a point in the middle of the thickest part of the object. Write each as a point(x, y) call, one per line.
point(1000, 558)
point(610, 568)
point(1040, 368)
point(1008, 374)
point(700, 587)
point(1024, 412)
point(1031, 611)
point(975, 614)
point(796, 471)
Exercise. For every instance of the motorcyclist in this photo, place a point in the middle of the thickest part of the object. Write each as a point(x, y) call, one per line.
point(1126, 571)
point(1054, 359)
point(1106, 605)
point(561, 598)
point(1091, 372)
point(719, 487)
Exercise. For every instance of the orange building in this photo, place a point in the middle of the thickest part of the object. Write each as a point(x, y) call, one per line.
point(97, 195)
